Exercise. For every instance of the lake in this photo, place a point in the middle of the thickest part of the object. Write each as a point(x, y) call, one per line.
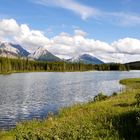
point(24, 96)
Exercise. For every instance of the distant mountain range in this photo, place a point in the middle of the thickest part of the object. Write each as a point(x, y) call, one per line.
point(87, 59)
point(15, 50)
point(41, 54)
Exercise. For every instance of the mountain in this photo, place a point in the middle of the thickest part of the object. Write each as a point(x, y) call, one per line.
point(42, 54)
point(12, 50)
point(22, 51)
point(87, 59)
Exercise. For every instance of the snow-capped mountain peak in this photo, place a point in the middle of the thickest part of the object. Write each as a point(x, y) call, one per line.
point(7, 50)
point(39, 52)
point(11, 50)
point(42, 54)
point(87, 59)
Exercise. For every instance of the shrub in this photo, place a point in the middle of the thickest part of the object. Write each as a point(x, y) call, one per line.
point(100, 97)
point(114, 94)
point(137, 97)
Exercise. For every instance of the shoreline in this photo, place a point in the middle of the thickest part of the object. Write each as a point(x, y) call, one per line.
point(105, 111)
point(8, 73)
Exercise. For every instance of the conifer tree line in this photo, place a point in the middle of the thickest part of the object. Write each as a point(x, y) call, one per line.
point(9, 65)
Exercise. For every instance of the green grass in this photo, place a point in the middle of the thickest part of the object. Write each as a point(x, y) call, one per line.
point(114, 118)
point(130, 81)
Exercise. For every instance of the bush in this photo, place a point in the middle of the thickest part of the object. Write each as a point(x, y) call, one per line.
point(137, 97)
point(100, 97)
point(114, 94)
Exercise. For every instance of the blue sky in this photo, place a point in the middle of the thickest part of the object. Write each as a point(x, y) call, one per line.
point(108, 29)
point(53, 19)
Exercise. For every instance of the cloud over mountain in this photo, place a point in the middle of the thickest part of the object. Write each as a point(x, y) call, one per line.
point(66, 45)
point(10, 30)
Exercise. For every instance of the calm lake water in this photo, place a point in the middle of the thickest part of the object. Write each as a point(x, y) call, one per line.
point(32, 95)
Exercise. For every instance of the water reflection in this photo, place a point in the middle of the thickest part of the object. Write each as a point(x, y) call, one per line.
point(32, 95)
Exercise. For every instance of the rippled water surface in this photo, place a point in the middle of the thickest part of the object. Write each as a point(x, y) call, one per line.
point(32, 95)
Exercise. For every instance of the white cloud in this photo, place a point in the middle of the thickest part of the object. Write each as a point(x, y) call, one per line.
point(80, 9)
point(80, 33)
point(85, 12)
point(122, 18)
point(8, 27)
point(66, 45)
point(127, 46)
point(32, 38)
point(10, 30)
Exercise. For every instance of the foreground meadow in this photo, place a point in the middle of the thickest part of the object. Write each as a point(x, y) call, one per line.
point(105, 118)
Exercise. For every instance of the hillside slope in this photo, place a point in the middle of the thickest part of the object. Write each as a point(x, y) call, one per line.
point(134, 65)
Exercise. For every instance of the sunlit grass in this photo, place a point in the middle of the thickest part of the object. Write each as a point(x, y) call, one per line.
point(130, 81)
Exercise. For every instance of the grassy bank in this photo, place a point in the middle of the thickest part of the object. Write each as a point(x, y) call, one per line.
point(112, 118)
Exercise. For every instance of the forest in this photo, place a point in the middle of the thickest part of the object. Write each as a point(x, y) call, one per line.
point(134, 65)
point(11, 65)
